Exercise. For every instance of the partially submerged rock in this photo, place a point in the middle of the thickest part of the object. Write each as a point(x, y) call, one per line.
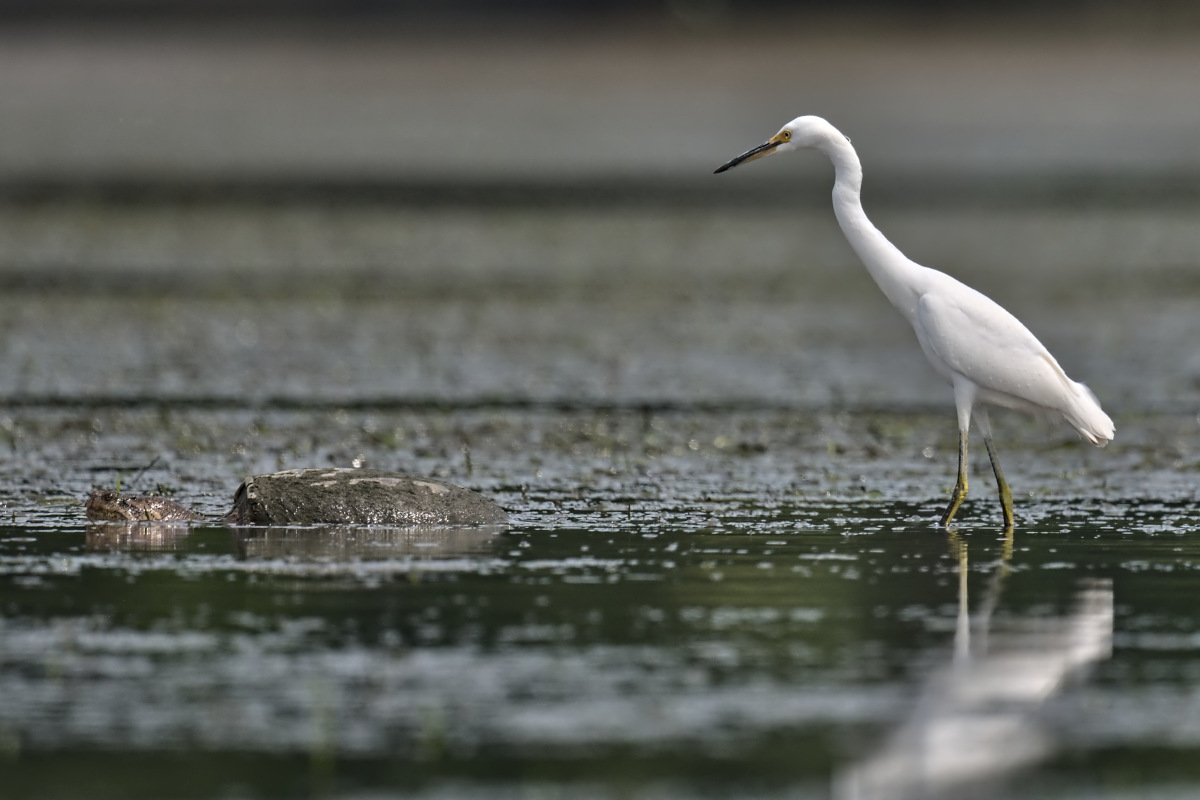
point(323, 496)
point(335, 496)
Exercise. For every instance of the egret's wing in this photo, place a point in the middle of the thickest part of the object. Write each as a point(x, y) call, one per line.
point(974, 337)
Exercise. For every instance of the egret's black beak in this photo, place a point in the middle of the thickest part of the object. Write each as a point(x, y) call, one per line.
point(766, 148)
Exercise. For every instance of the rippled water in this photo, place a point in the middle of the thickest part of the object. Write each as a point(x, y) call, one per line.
point(687, 604)
point(722, 454)
point(721, 449)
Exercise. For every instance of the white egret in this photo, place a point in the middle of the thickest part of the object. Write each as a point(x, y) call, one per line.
point(984, 352)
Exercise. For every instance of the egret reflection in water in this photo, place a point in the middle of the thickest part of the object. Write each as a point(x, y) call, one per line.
point(977, 718)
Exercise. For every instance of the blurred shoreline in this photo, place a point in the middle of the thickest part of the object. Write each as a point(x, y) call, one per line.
point(628, 111)
point(892, 190)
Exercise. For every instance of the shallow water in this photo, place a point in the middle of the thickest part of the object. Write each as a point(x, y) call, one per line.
point(722, 454)
point(687, 604)
point(721, 449)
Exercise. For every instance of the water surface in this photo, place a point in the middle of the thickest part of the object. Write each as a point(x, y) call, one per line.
point(687, 604)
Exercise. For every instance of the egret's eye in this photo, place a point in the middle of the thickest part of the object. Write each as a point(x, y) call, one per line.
point(786, 136)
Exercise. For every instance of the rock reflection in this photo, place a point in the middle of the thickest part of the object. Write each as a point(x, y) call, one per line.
point(976, 719)
point(346, 543)
point(154, 537)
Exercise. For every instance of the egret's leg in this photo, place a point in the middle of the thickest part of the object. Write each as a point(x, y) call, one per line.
point(964, 401)
point(1006, 504)
point(960, 488)
point(1005, 495)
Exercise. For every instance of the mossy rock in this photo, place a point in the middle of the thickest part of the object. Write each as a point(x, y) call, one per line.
point(337, 496)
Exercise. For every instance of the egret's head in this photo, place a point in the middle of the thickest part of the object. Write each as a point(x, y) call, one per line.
point(801, 132)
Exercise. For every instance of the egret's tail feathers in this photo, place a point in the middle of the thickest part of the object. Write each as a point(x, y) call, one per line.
point(1086, 416)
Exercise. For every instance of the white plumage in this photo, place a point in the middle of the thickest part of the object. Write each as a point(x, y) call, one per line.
point(984, 352)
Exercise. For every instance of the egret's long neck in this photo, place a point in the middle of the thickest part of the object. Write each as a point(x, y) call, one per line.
point(895, 274)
